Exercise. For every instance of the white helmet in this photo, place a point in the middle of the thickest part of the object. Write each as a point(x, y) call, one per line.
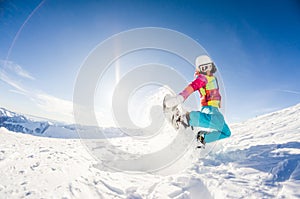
point(202, 59)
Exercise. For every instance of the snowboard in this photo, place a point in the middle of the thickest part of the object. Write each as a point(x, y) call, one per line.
point(174, 116)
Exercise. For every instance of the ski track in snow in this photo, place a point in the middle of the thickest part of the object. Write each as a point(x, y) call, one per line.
point(260, 160)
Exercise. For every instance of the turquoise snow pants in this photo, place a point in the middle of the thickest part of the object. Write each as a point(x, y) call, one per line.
point(210, 117)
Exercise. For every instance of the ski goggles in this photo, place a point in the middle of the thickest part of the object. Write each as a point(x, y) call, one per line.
point(205, 67)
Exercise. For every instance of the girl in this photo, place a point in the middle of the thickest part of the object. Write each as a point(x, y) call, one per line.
point(209, 115)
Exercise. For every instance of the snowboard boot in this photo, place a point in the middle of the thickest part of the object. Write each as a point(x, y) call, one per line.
point(200, 138)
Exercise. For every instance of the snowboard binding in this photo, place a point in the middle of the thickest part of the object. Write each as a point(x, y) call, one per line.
point(175, 116)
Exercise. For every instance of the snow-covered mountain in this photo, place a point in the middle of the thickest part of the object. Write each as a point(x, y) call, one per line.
point(260, 160)
point(19, 123)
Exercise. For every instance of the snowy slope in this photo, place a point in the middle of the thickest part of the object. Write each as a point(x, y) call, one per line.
point(260, 160)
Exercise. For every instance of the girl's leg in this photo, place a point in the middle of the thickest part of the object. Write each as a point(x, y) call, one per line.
point(217, 135)
point(210, 117)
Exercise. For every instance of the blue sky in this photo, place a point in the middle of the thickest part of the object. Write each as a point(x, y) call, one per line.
point(255, 44)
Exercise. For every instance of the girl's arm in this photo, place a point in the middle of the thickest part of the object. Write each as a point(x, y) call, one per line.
point(198, 83)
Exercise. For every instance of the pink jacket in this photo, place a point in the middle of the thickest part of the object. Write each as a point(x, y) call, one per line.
point(208, 89)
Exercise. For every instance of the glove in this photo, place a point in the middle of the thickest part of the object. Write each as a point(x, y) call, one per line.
point(174, 101)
